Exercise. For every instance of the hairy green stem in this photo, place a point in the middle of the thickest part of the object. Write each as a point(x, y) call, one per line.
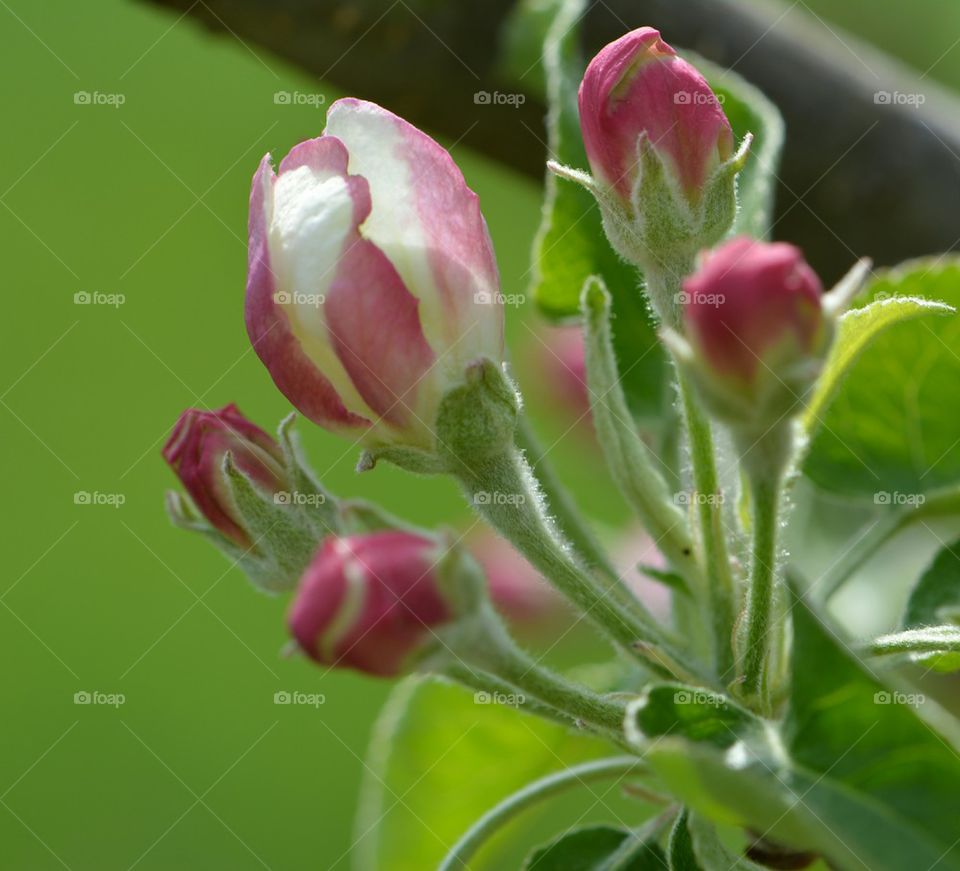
point(564, 509)
point(720, 595)
point(709, 505)
point(759, 634)
point(632, 463)
point(502, 489)
point(532, 794)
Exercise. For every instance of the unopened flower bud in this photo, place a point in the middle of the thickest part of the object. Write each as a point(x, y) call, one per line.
point(371, 602)
point(637, 86)
point(662, 154)
point(196, 450)
point(756, 330)
point(372, 282)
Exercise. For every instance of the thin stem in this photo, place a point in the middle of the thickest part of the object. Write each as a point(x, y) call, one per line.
point(720, 593)
point(565, 511)
point(759, 634)
point(633, 465)
point(532, 794)
point(709, 499)
point(503, 491)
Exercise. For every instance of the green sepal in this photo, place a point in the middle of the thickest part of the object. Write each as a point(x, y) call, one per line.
point(280, 527)
point(477, 420)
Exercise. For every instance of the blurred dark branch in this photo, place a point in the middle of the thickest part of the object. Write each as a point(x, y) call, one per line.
point(858, 178)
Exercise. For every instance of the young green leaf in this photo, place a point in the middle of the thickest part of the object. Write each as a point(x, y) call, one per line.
point(597, 848)
point(890, 431)
point(439, 758)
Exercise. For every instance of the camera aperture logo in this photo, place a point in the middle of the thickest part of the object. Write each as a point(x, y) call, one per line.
point(299, 98)
point(110, 700)
point(714, 300)
point(306, 700)
point(913, 500)
point(485, 297)
point(898, 98)
point(85, 497)
point(496, 98)
point(698, 697)
point(96, 297)
point(288, 297)
point(485, 497)
point(894, 697)
point(295, 497)
point(99, 98)
point(511, 700)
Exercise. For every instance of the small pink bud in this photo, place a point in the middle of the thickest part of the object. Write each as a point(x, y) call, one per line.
point(753, 310)
point(638, 85)
point(196, 450)
point(372, 282)
point(369, 602)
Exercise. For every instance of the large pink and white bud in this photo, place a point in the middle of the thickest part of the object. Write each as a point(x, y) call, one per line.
point(372, 281)
point(196, 449)
point(639, 87)
point(370, 602)
point(756, 329)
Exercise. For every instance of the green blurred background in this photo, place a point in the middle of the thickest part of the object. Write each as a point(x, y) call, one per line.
point(198, 768)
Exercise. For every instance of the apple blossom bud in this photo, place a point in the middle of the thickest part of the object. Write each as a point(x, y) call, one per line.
point(370, 602)
point(638, 86)
point(662, 154)
point(756, 330)
point(372, 282)
point(196, 451)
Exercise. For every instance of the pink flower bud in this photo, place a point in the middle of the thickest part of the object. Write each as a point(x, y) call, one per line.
point(196, 449)
point(638, 85)
point(369, 602)
point(372, 282)
point(753, 310)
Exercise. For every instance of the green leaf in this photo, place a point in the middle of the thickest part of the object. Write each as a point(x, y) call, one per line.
point(937, 593)
point(857, 328)
point(597, 848)
point(438, 761)
point(680, 849)
point(675, 709)
point(695, 846)
point(852, 773)
point(890, 431)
